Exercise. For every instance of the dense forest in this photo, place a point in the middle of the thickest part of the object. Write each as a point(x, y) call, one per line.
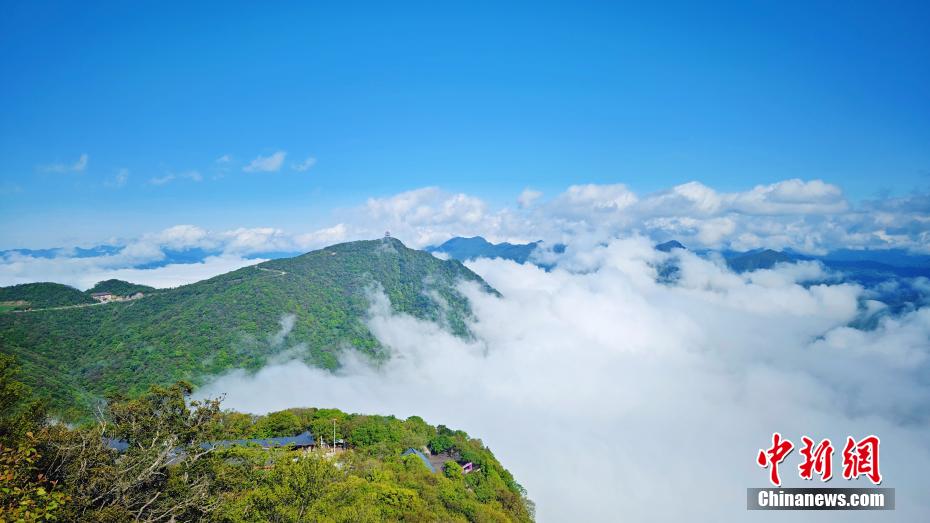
point(166, 467)
point(40, 296)
point(119, 287)
point(314, 306)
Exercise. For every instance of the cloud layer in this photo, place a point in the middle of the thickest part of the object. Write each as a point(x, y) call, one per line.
point(607, 393)
point(811, 217)
point(612, 396)
point(808, 216)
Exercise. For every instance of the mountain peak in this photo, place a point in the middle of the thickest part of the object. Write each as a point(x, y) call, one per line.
point(313, 306)
point(669, 246)
point(753, 260)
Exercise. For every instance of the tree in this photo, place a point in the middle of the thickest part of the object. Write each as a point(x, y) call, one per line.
point(26, 494)
point(19, 414)
point(287, 492)
point(441, 443)
point(283, 423)
point(452, 470)
point(163, 474)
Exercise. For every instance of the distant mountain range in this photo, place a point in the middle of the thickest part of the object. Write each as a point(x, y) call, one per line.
point(892, 276)
point(464, 249)
point(878, 263)
point(312, 306)
point(890, 262)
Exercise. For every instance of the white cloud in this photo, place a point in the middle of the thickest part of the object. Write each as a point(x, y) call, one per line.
point(790, 197)
point(271, 163)
point(528, 197)
point(162, 180)
point(585, 199)
point(119, 179)
point(182, 237)
point(224, 160)
point(304, 165)
point(606, 393)
point(321, 237)
point(79, 166)
point(172, 275)
point(192, 175)
point(256, 239)
point(426, 216)
point(810, 217)
point(83, 273)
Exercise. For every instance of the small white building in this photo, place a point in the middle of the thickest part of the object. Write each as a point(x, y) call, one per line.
point(103, 297)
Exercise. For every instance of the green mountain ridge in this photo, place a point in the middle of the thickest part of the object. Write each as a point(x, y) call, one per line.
point(41, 296)
point(120, 287)
point(318, 301)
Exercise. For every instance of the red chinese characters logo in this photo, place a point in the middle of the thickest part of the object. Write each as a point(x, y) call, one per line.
point(774, 455)
point(860, 458)
point(819, 460)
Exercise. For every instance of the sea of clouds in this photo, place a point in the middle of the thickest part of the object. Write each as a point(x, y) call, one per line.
point(609, 395)
point(810, 217)
point(613, 397)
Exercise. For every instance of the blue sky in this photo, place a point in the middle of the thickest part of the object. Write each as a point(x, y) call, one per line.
point(474, 97)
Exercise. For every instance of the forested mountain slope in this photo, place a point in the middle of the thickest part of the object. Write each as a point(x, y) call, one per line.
point(42, 295)
point(119, 287)
point(314, 304)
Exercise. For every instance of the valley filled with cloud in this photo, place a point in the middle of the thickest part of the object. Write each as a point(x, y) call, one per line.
point(611, 391)
point(614, 397)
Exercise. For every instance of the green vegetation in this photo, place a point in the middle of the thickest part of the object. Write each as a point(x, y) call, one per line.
point(77, 356)
point(51, 472)
point(120, 288)
point(373, 482)
point(41, 296)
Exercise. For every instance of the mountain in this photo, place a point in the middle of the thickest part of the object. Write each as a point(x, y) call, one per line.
point(312, 306)
point(120, 288)
point(754, 260)
point(669, 246)
point(464, 249)
point(891, 276)
point(41, 296)
point(863, 266)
